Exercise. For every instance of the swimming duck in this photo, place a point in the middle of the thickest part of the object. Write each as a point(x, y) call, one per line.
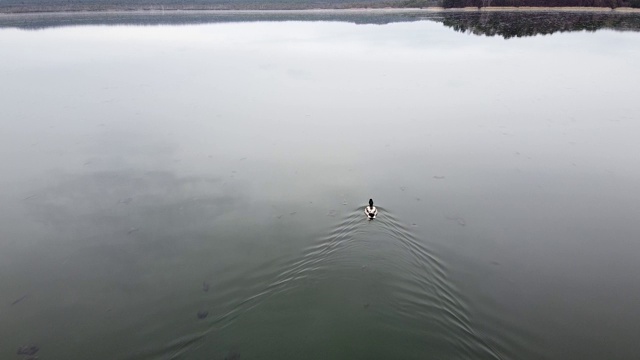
point(371, 210)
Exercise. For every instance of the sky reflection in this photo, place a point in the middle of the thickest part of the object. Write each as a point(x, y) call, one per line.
point(515, 159)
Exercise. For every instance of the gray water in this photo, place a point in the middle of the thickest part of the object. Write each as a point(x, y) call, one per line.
point(153, 175)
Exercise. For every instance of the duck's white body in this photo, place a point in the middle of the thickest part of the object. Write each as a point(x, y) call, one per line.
point(371, 211)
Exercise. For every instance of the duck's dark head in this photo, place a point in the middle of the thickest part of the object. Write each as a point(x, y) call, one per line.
point(371, 202)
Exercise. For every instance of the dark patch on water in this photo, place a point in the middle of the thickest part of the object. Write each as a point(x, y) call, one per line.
point(202, 314)
point(18, 300)
point(28, 350)
point(457, 219)
point(132, 230)
point(232, 355)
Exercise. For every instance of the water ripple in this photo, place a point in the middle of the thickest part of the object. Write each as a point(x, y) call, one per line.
point(415, 287)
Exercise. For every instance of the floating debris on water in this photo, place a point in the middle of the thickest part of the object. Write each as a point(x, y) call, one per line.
point(19, 299)
point(232, 355)
point(202, 314)
point(459, 220)
point(438, 177)
point(132, 230)
point(205, 286)
point(28, 350)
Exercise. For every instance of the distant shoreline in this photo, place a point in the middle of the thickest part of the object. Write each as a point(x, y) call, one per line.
point(337, 10)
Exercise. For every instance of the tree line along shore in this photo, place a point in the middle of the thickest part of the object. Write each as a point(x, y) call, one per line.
point(610, 4)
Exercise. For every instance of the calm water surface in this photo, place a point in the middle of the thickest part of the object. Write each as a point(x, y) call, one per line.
point(196, 192)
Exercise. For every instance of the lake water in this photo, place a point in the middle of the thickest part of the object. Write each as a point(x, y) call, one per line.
point(197, 192)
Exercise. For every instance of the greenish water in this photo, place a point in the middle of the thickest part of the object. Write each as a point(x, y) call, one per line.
point(197, 192)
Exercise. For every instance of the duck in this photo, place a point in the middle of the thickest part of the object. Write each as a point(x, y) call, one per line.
point(371, 210)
